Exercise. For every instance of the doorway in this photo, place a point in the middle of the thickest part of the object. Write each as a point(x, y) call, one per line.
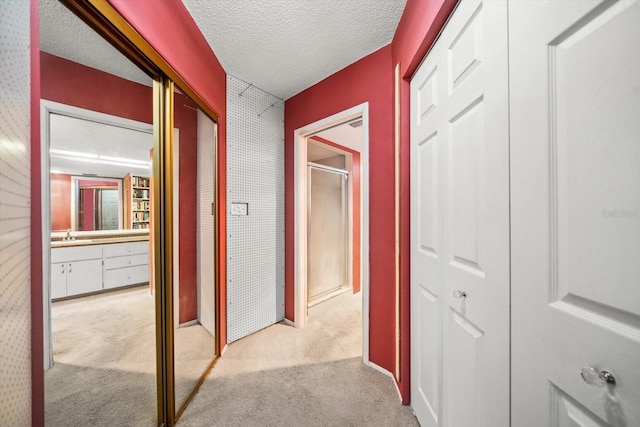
point(325, 134)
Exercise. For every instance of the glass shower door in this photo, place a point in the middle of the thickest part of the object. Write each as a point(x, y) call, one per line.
point(327, 227)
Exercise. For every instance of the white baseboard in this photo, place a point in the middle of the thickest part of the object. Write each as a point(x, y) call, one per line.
point(288, 322)
point(387, 373)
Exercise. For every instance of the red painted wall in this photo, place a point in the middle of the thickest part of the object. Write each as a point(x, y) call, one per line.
point(419, 26)
point(186, 119)
point(357, 198)
point(74, 84)
point(60, 202)
point(88, 210)
point(37, 336)
point(367, 80)
point(169, 28)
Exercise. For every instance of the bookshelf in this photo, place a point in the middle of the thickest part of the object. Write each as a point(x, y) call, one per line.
point(137, 203)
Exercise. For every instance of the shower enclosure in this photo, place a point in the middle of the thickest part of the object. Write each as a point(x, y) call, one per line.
point(327, 266)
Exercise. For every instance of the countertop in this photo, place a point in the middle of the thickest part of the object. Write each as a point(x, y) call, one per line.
point(85, 238)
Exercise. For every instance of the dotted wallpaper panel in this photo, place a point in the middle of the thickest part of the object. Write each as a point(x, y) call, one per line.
point(15, 187)
point(255, 176)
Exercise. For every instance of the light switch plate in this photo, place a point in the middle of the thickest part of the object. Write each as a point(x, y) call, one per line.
point(239, 208)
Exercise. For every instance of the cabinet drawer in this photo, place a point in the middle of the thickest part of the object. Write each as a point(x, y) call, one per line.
point(126, 261)
point(123, 249)
point(76, 253)
point(126, 276)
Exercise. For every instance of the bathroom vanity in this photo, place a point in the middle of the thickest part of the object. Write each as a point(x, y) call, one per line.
point(94, 261)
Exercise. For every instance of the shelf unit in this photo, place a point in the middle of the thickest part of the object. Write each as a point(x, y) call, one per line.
point(137, 203)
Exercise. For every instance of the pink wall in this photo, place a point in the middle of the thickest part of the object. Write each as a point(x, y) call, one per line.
point(367, 80)
point(88, 210)
point(60, 202)
point(419, 26)
point(74, 84)
point(169, 28)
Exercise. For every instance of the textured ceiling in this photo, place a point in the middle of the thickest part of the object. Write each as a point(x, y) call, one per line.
point(285, 46)
point(63, 34)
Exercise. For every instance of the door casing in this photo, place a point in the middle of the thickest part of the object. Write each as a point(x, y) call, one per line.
point(301, 136)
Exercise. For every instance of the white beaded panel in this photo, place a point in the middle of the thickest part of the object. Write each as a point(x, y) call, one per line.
point(206, 234)
point(15, 187)
point(255, 242)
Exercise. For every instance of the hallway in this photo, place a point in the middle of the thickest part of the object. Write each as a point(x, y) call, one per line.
point(290, 377)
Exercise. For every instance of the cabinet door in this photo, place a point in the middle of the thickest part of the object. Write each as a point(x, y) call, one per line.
point(84, 276)
point(58, 280)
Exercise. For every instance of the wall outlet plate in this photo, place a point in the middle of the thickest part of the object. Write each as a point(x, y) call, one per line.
point(239, 208)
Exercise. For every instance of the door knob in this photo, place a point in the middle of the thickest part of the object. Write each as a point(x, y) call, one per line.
point(459, 294)
point(597, 378)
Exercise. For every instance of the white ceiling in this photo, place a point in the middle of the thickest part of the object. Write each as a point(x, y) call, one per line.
point(65, 35)
point(345, 135)
point(77, 143)
point(281, 46)
point(285, 46)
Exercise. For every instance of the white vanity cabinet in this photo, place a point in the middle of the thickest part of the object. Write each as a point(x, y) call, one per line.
point(125, 264)
point(83, 269)
point(73, 270)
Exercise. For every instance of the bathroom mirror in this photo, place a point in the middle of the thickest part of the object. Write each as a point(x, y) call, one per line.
point(97, 203)
point(98, 151)
point(194, 238)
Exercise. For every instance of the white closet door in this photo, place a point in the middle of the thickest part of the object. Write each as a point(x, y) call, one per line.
point(575, 174)
point(460, 223)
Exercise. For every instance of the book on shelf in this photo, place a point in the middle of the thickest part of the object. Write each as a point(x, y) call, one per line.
point(138, 181)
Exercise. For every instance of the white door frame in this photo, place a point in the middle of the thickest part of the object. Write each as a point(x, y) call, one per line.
point(46, 109)
point(300, 215)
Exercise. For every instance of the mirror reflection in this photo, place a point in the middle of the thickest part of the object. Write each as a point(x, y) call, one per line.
point(98, 150)
point(194, 247)
point(98, 203)
point(99, 309)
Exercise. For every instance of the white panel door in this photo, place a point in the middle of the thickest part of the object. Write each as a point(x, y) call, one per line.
point(460, 223)
point(575, 174)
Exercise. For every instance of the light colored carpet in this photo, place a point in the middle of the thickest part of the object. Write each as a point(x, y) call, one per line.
point(283, 376)
point(104, 371)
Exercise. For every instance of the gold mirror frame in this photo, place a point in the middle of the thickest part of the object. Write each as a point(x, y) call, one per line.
point(112, 26)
